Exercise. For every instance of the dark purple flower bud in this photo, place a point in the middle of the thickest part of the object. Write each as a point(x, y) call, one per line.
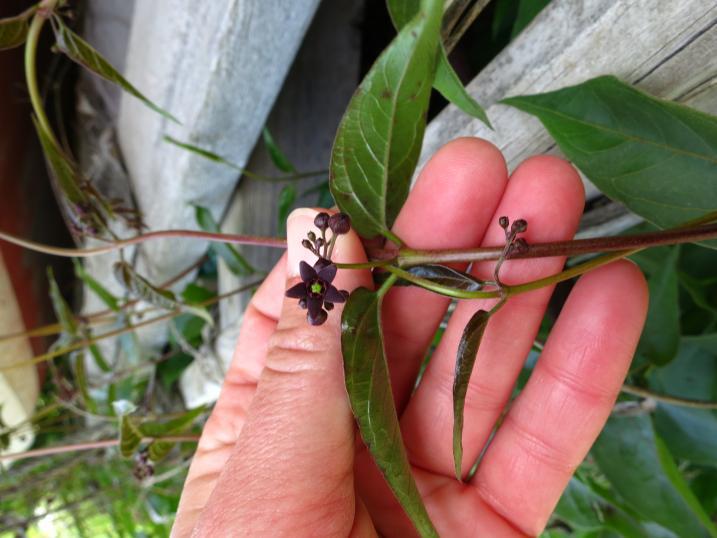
point(311, 236)
point(307, 244)
point(321, 221)
point(328, 306)
point(320, 242)
point(340, 223)
point(503, 222)
point(519, 226)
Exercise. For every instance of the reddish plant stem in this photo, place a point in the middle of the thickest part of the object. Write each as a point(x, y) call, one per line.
point(51, 451)
point(406, 257)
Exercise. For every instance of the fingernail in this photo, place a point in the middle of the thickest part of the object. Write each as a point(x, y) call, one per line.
point(299, 223)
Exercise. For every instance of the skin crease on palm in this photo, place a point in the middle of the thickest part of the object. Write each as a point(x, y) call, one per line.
point(280, 455)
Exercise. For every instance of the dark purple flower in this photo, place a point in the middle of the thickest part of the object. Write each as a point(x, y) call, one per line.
point(315, 292)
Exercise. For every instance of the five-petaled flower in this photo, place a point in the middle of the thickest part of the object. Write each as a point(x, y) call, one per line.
point(315, 292)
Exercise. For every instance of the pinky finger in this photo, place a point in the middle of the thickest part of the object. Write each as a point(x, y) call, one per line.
point(568, 398)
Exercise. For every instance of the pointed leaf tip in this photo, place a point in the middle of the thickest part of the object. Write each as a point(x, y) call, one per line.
point(369, 389)
point(465, 360)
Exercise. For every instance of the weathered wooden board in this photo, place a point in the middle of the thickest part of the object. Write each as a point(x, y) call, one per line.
point(665, 47)
point(218, 67)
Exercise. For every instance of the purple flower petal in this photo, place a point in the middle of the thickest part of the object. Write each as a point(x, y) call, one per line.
point(296, 292)
point(328, 273)
point(319, 318)
point(334, 296)
point(307, 272)
point(314, 305)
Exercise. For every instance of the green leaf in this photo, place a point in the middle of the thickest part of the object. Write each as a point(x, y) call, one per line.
point(81, 380)
point(690, 434)
point(61, 166)
point(580, 507)
point(379, 139)
point(203, 153)
point(143, 289)
point(103, 293)
point(451, 87)
point(642, 471)
point(447, 81)
point(193, 293)
point(236, 263)
point(81, 52)
point(445, 276)
point(656, 157)
point(465, 359)
point(130, 436)
point(157, 428)
point(280, 160)
point(13, 30)
point(158, 450)
point(527, 11)
point(661, 335)
point(287, 197)
point(369, 389)
point(97, 356)
point(63, 312)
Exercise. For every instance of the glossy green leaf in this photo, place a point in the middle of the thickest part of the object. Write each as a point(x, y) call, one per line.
point(236, 263)
point(446, 276)
point(656, 157)
point(369, 389)
point(98, 289)
point(447, 81)
point(661, 335)
point(643, 472)
point(451, 87)
point(690, 434)
point(130, 436)
point(277, 156)
point(143, 289)
point(287, 197)
point(379, 139)
point(465, 359)
point(13, 30)
point(81, 52)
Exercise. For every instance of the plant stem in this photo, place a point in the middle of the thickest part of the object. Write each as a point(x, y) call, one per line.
point(672, 400)
point(272, 242)
point(44, 11)
point(109, 334)
point(572, 272)
point(405, 257)
point(51, 451)
point(439, 288)
point(408, 257)
point(390, 281)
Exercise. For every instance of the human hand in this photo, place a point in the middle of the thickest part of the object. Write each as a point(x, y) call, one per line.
point(279, 455)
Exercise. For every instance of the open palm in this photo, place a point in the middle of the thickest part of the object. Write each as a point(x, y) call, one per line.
point(280, 455)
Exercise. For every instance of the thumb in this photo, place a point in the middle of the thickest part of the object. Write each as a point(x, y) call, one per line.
point(294, 457)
